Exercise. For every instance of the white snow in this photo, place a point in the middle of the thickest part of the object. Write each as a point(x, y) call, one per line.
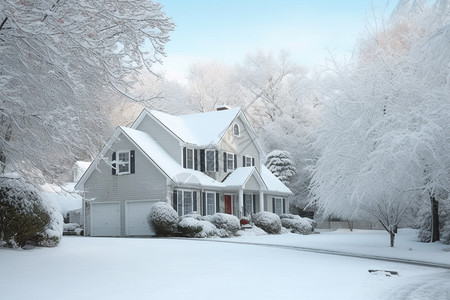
point(272, 182)
point(64, 199)
point(134, 268)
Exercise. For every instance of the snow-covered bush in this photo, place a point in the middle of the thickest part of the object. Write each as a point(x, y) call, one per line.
point(297, 224)
point(163, 219)
point(281, 165)
point(25, 218)
point(267, 221)
point(70, 226)
point(196, 228)
point(192, 215)
point(229, 223)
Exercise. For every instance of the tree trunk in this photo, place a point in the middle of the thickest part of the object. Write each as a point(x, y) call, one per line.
point(435, 235)
point(392, 236)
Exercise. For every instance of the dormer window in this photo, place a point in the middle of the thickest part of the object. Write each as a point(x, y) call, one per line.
point(236, 130)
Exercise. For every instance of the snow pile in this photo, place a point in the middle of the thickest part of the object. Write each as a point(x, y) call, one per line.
point(229, 223)
point(267, 221)
point(297, 224)
point(25, 217)
point(163, 219)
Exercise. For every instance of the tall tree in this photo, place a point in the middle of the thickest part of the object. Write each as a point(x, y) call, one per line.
point(384, 135)
point(59, 58)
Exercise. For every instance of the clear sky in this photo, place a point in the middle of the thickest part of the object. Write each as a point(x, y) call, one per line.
point(227, 30)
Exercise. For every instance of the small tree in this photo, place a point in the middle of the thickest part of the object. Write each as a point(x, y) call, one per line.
point(163, 219)
point(24, 218)
point(281, 165)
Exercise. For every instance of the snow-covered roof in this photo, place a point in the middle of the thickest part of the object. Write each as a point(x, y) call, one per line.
point(167, 164)
point(240, 176)
point(200, 129)
point(273, 183)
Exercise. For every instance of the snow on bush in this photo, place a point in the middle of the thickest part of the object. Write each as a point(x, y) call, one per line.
point(196, 228)
point(70, 226)
point(267, 221)
point(26, 218)
point(297, 224)
point(228, 223)
point(163, 219)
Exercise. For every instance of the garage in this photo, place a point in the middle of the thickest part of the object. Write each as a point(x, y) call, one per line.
point(136, 217)
point(105, 219)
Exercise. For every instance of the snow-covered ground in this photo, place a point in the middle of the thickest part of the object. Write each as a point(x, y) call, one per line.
point(140, 268)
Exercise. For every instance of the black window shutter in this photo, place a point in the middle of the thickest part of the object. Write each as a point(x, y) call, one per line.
point(284, 206)
point(253, 161)
point(175, 202)
point(235, 161)
point(194, 201)
point(204, 204)
point(243, 160)
point(217, 203)
point(184, 157)
point(132, 162)
point(254, 203)
point(202, 160)
point(225, 162)
point(273, 205)
point(217, 162)
point(195, 159)
point(113, 164)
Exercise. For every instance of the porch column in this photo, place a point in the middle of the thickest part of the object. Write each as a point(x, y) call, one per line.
point(261, 201)
point(241, 203)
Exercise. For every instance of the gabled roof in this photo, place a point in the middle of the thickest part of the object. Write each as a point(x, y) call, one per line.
point(273, 183)
point(240, 176)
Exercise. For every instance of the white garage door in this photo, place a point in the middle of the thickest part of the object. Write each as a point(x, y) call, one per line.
point(105, 219)
point(136, 217)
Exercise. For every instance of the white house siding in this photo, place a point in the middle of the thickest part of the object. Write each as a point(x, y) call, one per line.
point(241, 145)
point(252, 184)
point(269, 205)
point(167, 141)
point(147, 183)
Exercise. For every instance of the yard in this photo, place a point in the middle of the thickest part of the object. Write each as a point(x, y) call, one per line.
point(140, 268)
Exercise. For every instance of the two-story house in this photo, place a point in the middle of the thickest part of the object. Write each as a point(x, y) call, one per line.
point(205, 163)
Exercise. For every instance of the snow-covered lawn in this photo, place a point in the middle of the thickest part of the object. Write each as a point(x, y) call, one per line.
point(139, 268)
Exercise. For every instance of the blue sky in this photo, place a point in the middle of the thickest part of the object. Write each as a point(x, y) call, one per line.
point(226, 31)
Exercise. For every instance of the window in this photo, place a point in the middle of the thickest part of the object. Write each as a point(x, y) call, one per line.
point(210, 203)
point(230, 162)
point(248, 161)
point(248, 204)
point(123, 162)
point(236, 130)
point(189, 158)
point(278, 206)
point(185, 202)
point(210, 160)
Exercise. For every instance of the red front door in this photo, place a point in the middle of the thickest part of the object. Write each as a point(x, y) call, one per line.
point(228, 209)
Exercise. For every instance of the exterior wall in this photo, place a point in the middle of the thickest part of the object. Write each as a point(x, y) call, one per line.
point(162, 136)
point(146, 183)
point(242, 145)
point(268, 205)
point(252, 184)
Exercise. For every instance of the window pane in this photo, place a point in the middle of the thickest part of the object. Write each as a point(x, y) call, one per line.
point(236, 129)
point(180, 203)
point(210, 203)
point(190, 158)
point(210, 161)
point(278, 206)
point(187, 203)
point(230, 161)
point(124, 162)
point(248, 203)
point(248, 161)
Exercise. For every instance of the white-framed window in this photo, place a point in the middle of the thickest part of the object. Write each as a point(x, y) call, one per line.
point(210, 161)
point(185, 202)
point(278, 206)
point(248, 204)
point(123, 162)
point(230, 162)
point(236, 130)
point(249, 161)
point(189, 158)
point(210, 203)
